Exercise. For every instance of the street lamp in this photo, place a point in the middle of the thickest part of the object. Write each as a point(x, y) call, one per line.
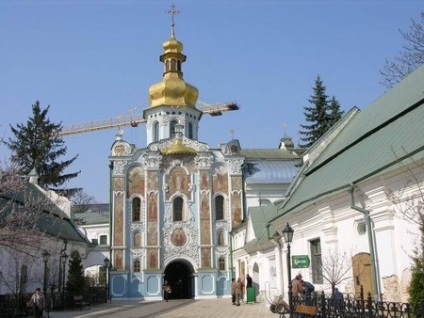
point(46, 257)
point(107, 262)
point(288, 237)
point(63, 259)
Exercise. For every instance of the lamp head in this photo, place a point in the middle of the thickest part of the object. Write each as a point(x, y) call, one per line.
point(288, 233)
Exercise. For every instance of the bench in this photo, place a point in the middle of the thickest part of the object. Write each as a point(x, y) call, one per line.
point(80, 302)
point(306, 310)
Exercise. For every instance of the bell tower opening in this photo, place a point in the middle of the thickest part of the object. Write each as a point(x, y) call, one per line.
point(179, 275)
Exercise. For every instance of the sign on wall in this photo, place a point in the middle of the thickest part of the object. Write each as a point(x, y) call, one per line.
point(300, 261)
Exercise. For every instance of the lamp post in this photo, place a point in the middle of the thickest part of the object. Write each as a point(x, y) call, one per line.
point(288, 237)
point(63, 259)
point(46, 257)
point(107, 262)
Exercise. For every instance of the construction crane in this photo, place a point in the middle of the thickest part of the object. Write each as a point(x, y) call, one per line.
point(133, 120)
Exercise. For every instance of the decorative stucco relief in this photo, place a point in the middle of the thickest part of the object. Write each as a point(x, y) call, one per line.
point(153, 160)
point(121, 148)
point(118, 167)
point(234, 166)
point(137, 252)
point(204, 161)
point(185, 244)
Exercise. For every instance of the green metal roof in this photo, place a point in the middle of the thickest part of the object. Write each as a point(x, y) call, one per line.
point(267, 154)
point(52, 221)
point(374, 140)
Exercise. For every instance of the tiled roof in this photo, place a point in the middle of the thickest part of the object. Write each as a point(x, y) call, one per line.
point(267, 154)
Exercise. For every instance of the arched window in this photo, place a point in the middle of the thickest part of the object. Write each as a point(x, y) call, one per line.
point(190, 130)
point(137, 239)
point(137, 266)
point(172, 128)
point(136, 207)
point(179, 66)
point(178, 209)
point(156, 131)
point(221, 263)
point(219, 207)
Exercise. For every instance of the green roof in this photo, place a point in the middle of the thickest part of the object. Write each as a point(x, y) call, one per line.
point(373, 141)
point(52, 221)
point(267, 154)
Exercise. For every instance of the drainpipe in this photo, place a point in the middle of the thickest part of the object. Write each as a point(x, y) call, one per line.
point(371, 242)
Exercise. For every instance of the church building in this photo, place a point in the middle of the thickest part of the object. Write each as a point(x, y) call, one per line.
point(175, 202)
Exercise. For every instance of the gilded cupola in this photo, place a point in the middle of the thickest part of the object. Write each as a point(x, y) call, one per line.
point(173, 90)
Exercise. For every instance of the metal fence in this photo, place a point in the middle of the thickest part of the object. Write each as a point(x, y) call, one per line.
point(355, 308)
point(17, 306)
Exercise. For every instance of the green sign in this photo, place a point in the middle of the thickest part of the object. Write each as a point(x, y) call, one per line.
point(300, 261)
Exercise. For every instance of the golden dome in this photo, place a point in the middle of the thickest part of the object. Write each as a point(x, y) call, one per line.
point(173, 90)
point(178, 148)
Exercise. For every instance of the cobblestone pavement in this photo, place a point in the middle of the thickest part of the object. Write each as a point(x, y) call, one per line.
point(185, 308)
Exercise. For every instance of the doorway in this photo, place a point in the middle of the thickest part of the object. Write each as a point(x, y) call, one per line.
point(179, 275)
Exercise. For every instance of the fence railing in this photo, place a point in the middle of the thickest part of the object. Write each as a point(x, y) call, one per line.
point(16, 306)
point(362, 307)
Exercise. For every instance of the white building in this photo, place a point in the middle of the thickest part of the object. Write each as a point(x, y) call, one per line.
point(349, 203)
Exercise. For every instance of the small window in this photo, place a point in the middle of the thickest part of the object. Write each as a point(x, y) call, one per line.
point(178, 209)
point(136, 206)
point(137, 266)
point(103, 239)
point(221, 262)
point(361, 228)
point(219, 207)
point(156, 131)
point(316, 261)
point(172, 128)
point(190, 130)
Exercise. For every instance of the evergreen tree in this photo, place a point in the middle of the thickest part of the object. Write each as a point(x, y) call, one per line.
point(334, 112)
point(37, 145)
point(316, 115)
point(75, 282)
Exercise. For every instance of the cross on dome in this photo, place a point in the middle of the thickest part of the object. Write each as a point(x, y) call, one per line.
point(172, 12)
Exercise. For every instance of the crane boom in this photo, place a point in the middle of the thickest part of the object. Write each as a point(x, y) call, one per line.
point(136, 119)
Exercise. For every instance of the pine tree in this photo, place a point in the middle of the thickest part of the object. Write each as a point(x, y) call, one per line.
point(334, 112)
point(316, 114)
point(37, 145)
point(75, 282)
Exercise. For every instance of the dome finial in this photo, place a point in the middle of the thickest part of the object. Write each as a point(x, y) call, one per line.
point(173, 12)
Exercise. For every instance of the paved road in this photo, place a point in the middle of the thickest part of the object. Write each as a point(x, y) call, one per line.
point(186, 308)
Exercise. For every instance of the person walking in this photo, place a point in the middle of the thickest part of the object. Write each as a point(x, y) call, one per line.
point(38, 302)
point(233, 290)
point(238, 291)
point(166, 290)
point(308, 290)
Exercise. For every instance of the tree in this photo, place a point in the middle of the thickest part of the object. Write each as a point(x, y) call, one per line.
point(335, 113)
point(409, 59)
point(37, 145)
point(21, 209)
point(321, 114)
point(75, 282)
point(336, 268)
point(409, 203)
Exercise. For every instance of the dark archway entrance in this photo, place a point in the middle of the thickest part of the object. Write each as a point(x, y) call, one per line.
point(179, 275)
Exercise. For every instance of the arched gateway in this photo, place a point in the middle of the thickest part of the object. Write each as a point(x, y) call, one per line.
point(179, 275)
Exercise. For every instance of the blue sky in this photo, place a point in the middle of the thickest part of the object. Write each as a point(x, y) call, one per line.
point(92, 60)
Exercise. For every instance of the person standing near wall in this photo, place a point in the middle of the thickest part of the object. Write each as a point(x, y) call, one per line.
point(38, 301)
point(249, 282)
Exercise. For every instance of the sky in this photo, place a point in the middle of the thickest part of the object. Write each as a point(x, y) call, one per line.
point(92, 60)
